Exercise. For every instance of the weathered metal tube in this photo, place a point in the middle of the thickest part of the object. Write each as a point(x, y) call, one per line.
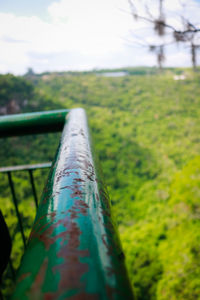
point(73, 250)
point(32, 123)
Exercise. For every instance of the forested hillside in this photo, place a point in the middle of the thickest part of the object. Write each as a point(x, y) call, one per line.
point(145, 128)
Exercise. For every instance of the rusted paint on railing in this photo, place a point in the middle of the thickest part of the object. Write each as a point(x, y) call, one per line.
point(73, 251)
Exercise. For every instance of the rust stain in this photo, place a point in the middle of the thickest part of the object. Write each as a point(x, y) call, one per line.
point(23, 276)
point(71, 165)
point(111, 292)
point(86, 163)
point(89, 176)
point(84, 296)
point(78, 180)
point(65, 187)
point(35, 231)
point(68, 170)
point(46, 238)
point(97, 196)
point(76, 193)
point(36, 288)
point(71, 270)
point(108, 246)
point(82, 206)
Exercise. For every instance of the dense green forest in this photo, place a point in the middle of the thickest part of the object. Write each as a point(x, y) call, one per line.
point(145, 128)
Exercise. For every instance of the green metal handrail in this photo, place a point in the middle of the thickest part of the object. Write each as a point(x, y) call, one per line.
point(32, 123)
point(73, 251)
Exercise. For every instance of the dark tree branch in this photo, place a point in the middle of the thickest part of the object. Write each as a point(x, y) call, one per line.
point(191, 28)
point(185, 35)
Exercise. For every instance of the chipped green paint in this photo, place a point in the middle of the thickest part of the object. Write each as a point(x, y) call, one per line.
point(73, 250)
point(31, 123)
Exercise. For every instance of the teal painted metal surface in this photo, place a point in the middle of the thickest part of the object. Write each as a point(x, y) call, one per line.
point(73, 250)
point(32, 123)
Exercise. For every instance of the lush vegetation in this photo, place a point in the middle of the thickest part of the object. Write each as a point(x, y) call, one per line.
point(145, 128)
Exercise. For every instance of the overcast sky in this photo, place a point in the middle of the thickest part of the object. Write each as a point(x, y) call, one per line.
point(59, 35)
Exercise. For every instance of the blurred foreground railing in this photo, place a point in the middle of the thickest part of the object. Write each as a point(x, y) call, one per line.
point(73, 251)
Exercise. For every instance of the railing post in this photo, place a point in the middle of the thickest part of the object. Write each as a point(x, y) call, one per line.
point(16, 207)
point(33, 188)
point(73, 250)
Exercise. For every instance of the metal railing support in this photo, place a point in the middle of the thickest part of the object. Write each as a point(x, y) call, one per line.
point(33, 187)
point(29, 169)
point(73, 250)
point(16, 207)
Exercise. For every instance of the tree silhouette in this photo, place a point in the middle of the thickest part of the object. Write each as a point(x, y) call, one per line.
point(185, 31)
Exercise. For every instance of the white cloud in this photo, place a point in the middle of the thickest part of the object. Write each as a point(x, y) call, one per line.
point(179, 59)
point(91, 26)
point(77, 35)
point(89, 29)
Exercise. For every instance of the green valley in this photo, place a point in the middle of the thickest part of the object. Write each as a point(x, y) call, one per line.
point(146, 132)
